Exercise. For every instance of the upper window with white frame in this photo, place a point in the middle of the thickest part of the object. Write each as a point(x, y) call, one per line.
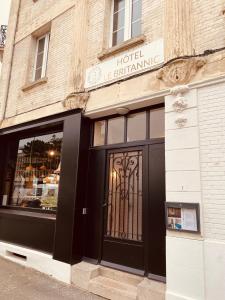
point(126, 20)
point(41, 57)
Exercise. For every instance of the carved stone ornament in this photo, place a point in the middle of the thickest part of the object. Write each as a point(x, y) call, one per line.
point(181, 121)
point(180, 71)
point(180, 104)
point(76, 100)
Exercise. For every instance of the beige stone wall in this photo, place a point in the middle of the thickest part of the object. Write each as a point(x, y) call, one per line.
point(59, 62)
point(209, 24)
point(64, 66)
point(98, 35)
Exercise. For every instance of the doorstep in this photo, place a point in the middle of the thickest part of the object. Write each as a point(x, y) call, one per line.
point(114, 284)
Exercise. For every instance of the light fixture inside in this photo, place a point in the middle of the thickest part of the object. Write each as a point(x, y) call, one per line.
point(122, 110)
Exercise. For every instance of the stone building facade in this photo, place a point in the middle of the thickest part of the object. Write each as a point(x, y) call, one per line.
point(184, 72)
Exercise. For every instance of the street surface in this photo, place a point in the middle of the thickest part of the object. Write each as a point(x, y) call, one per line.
point(20, 283)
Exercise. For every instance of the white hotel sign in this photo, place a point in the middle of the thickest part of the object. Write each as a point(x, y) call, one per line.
point(133, 62)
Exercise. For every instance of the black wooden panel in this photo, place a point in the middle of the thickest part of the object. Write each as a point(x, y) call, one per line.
point(2, 164)
point(156, 225)
point(27, 231)
point(95, 199)
point(82, 187)
point(64, 235)
point(130, 255)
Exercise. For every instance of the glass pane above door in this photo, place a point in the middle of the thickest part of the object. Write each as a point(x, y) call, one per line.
point(136, 127)
point(116, 130)
point(157, 123)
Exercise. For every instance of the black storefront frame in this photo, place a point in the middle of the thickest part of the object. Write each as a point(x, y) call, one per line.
point(65, 228)
point(100, 153)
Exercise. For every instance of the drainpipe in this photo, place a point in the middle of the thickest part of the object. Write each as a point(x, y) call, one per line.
point(8, 57)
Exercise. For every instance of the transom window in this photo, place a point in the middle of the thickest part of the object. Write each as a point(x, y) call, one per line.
point(133, 127)
point(41, 57)
point(126, 20)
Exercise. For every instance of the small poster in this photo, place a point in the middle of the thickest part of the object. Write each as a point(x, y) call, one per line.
point(182, 217)
point(174, 218)
point(189, 219)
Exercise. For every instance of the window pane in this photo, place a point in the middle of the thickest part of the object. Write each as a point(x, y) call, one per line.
point(136, 10)
point(38, 73)
point(136, 127)
point(99, 133)
point(157, 123)
point(136, 29)
point(39, 60)
point(41, 45)
point(118, 20)
point(116, 130)
point(118, 37)
point(118, 5)
point(37, 172)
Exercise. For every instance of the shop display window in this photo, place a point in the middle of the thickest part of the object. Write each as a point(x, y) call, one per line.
point(37, 172)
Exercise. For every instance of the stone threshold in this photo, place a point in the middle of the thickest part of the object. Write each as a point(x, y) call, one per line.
point(114, 284)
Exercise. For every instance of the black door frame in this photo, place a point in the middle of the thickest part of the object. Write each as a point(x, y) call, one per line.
point(145, 145)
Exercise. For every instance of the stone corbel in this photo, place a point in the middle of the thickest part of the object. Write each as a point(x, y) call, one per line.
point(76, 100)
point(180, 71)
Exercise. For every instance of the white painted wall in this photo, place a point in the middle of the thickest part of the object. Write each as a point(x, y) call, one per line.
point(184, 251)
point(195, 172)
point(211, 103)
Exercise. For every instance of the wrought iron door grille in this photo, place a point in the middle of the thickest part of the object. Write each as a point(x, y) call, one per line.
point(124, 213)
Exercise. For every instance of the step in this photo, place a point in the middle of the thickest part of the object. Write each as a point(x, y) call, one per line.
point(120, 276)
point(112, 289)
point(82, 273)
point(151, 290)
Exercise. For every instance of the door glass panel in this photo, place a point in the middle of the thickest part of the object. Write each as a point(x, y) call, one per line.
point(116, 130)
point(157, 123)
point(124, 215)
point(136, 127)
point(99, 133)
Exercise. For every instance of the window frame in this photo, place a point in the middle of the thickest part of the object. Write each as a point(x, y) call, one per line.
point(46, 36)
point(147, 139)
point(127, 22)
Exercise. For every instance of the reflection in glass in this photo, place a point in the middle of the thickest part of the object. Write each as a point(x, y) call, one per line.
point(136, 127)
point(118, 22)
point(37, 172)
point(116, 130)
point(99, 133)
point(157, 123)
point(136, 17)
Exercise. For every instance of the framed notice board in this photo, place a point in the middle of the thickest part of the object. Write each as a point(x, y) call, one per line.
point(182, 217)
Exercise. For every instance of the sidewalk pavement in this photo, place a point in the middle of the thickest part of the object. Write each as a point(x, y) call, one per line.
point(20, 283)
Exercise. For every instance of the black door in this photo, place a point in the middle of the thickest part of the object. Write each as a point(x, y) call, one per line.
point(125, 221)
point(123, 236)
